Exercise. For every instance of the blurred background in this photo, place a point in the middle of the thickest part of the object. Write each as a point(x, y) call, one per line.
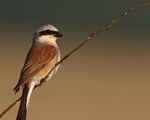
point(108, 79)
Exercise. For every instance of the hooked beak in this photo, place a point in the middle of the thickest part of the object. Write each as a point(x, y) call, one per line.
point(58, 34)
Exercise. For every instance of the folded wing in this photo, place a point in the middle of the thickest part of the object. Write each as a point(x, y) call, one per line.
point(38, 56)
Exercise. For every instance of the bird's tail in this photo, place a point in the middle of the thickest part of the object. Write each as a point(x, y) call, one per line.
point(22, 112)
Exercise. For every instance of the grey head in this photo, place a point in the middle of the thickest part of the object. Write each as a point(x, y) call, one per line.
point(47, 30)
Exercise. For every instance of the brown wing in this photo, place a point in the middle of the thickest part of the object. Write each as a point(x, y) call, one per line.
point(37, 58)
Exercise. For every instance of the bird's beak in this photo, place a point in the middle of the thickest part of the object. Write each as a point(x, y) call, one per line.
point(58, 34)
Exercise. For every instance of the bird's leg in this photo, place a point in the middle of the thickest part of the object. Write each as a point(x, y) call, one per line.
point(41, 82)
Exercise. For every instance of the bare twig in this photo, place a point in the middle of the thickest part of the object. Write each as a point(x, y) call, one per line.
point(9, 107)
point(103, 29)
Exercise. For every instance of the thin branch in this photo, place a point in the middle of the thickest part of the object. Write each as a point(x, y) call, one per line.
point(9, 107)
point(103, 29)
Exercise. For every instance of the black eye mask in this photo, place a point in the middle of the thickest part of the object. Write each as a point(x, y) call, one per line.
point(49, 32)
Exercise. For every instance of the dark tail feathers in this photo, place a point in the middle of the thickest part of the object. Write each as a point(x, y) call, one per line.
point(22, 112)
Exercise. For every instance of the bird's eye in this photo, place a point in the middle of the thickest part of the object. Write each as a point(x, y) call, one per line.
point(47, 32)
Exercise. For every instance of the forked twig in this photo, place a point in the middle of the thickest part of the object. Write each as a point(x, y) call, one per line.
point(103, 29)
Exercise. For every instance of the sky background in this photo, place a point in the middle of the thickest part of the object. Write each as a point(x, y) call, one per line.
point(108, 79)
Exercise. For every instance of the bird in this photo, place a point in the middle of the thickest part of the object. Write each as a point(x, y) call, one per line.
point(43, 54)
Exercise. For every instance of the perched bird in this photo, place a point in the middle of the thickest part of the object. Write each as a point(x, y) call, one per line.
point(41, 58)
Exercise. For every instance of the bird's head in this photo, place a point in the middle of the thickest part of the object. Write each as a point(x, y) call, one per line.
point(46, 34)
